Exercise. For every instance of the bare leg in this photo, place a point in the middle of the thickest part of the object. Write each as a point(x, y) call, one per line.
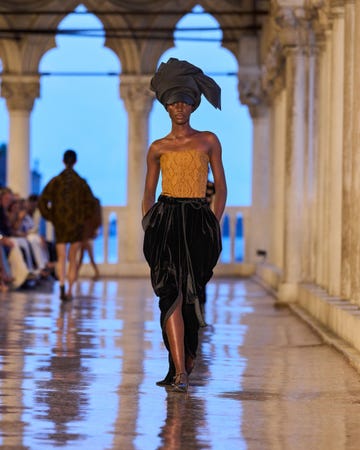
point(90, 250)
point(61, 267)
point(81, 255)
point(61, 263)
point(175, 334)
point(73, 266)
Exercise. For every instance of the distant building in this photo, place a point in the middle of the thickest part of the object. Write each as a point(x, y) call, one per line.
point(35, 174)
point(35, 179)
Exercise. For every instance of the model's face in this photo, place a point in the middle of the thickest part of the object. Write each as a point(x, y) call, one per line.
point(180, 112)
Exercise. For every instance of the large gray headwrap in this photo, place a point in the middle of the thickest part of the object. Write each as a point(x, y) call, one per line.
point(177, 81)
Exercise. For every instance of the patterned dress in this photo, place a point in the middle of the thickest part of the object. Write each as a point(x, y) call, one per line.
point(67, 201)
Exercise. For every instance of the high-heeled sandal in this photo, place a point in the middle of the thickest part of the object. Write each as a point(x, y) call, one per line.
point(181, 382)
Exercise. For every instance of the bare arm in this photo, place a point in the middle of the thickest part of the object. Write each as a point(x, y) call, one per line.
point(151, 180)
point(44, 200)
point(219, 176)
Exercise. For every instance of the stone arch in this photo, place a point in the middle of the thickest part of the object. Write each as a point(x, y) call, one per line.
point(138, 55)
point(23, 56)
point(93, 96)
point(137, 51)
point(229, 90)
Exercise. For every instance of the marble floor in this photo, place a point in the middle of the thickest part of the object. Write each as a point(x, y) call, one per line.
point(82, 375)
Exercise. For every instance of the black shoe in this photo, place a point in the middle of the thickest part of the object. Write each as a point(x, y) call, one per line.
point(62, 293)
point(165, 382)
point(169, 378)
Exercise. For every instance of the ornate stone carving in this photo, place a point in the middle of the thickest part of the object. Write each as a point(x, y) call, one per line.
point(257, 111)
point(20, 95)
point(251, 91)
point(136, 93)
point(320, 19)
point(273, 77)
point(299, 29)
point(294, 25)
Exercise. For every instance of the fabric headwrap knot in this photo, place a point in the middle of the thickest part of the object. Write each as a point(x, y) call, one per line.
point(180, 81)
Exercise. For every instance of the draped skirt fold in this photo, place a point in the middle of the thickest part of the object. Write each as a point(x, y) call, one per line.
point(182, 243)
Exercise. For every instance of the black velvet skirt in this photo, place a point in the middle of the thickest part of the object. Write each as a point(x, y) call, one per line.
point(182, 244)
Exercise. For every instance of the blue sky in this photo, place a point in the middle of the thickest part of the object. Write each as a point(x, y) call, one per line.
point(87, 114)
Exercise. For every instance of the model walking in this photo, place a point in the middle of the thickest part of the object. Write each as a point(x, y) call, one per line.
point(182, 239)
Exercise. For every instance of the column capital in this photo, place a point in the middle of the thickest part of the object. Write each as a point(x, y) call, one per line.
point(273, 70)
point(20, 92)
point(292, 30)
point(294, 25)
point(251, 92)
point(325, 14)
point(136, 93)
point(259, 111)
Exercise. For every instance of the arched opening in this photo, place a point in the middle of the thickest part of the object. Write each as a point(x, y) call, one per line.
point(233, 123)
point(82, 111)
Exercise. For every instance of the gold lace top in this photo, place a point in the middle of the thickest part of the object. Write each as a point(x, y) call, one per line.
point(184, 173)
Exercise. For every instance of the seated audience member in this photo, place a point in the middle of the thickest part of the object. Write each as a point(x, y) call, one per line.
point(20, 272)
point(30, 225)
point(39, 227)
point(5, 272)
point(16, 212)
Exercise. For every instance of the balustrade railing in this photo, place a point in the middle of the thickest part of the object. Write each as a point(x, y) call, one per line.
point(110, 248)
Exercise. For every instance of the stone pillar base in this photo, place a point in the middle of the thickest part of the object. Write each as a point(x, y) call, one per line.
point(287, 293)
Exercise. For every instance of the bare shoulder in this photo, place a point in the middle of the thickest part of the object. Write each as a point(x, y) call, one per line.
point(208, 134)
point(158, 147)
point(209, 137)
point(211, 141)
point(155, 148)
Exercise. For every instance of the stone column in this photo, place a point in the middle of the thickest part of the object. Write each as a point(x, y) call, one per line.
point(273, 82)
point(336, 147)
point(347, 219)
point(261, 189)
point(291, 95)
point(251, 94)
point(311, 163)
point(322, 170)
point(294, 171)
point(278, 126)
point(290, 39)
point(355, 185)
point(138, 100)
point(20, 93)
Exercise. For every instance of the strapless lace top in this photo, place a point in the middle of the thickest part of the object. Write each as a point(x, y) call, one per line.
point(184, 173)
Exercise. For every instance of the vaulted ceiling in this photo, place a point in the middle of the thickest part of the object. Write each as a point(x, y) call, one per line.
point(138, 31)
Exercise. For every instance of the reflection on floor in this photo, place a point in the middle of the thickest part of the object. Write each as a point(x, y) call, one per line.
point(82, 375)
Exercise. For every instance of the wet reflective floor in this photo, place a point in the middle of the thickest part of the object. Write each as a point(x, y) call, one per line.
point(82, 375)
